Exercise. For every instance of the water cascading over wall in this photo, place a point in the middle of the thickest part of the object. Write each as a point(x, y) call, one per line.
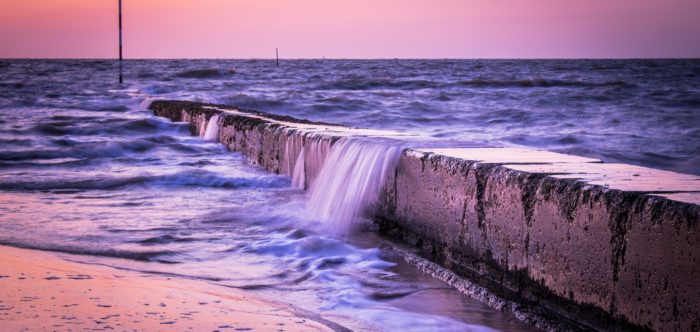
point(612, 245)
point(344, 176)
point(211, 133)
point(350, 174)
point(348, 186)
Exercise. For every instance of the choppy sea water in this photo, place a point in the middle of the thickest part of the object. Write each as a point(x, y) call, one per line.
point(85, 169)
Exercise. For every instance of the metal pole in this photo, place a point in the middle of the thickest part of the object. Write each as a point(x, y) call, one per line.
point(277, 55)
point(121, 78)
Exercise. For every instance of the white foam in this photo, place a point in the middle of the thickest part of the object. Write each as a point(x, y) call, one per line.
point(299, 175)
point(349, 183)
point(211, 133)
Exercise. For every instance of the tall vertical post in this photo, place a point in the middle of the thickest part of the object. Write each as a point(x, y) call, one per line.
point(277, 55)
point(121, 78)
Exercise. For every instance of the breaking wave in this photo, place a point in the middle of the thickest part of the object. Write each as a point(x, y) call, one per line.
point(205, 73)
point(137, 255)
point(539, 83)
point(195, 178)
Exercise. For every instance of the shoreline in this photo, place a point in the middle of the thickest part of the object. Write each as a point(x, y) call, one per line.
point(41, 291)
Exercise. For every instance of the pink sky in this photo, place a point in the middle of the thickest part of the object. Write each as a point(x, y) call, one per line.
point(352, 28)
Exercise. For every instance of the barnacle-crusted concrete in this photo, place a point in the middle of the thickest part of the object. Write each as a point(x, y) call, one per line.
point(613, 246)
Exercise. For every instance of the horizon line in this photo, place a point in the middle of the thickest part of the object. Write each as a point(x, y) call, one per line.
point(379, 58)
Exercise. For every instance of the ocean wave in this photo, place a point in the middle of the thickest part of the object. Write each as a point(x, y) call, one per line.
point(12, 85)
point(244, 100)
point(58, 162)
point(146, 74)
point(506, 116)
point(74, 118)
point(683, 102)
point(81, 150)
point(568, 140)
point(538, 83)
point(195, 178)
point(205, 73)
point(144, 256)
point(112, 108)
point(64, 147)
point(370, 84)
point(56, 128)
point(314, 250)
point(16, 141)
point(158, 89)
point(335, 103)
point(164, 239)
point(75, 126)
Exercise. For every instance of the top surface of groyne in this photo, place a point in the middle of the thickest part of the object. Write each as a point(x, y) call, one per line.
point(612, 246)
point(624, 177)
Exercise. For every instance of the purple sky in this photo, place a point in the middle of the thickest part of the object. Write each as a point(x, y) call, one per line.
point(353, 29)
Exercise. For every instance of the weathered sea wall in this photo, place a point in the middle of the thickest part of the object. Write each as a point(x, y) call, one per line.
point(611, 246)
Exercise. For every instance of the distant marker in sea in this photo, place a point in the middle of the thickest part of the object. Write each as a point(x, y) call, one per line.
point(121, 78)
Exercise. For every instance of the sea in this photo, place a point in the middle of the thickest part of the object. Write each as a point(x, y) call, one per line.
point(86, 169)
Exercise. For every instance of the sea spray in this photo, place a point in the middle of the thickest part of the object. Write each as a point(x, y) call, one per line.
point(348, 185)
point(211, 133)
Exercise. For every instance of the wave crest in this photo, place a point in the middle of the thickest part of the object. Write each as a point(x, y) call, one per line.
point(197, 178)
point(538, 83)
point(204, 73)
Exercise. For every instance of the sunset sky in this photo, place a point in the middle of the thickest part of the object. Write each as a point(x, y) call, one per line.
point(352, 29)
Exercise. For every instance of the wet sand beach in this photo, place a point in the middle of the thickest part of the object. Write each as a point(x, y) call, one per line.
point(41, 291)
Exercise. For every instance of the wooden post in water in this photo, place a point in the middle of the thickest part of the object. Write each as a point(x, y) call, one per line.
point(121, 78)
point(277, 55)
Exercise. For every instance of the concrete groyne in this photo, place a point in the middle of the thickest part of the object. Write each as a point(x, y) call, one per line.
point(611, 246)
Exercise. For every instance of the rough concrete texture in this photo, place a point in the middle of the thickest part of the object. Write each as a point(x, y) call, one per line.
point(613, 246)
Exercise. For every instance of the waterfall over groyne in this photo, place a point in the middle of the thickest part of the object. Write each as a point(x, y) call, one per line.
point(350, 174)
point(613, 246)
point(211, 133)
point(349, 183)
point(298, 175)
